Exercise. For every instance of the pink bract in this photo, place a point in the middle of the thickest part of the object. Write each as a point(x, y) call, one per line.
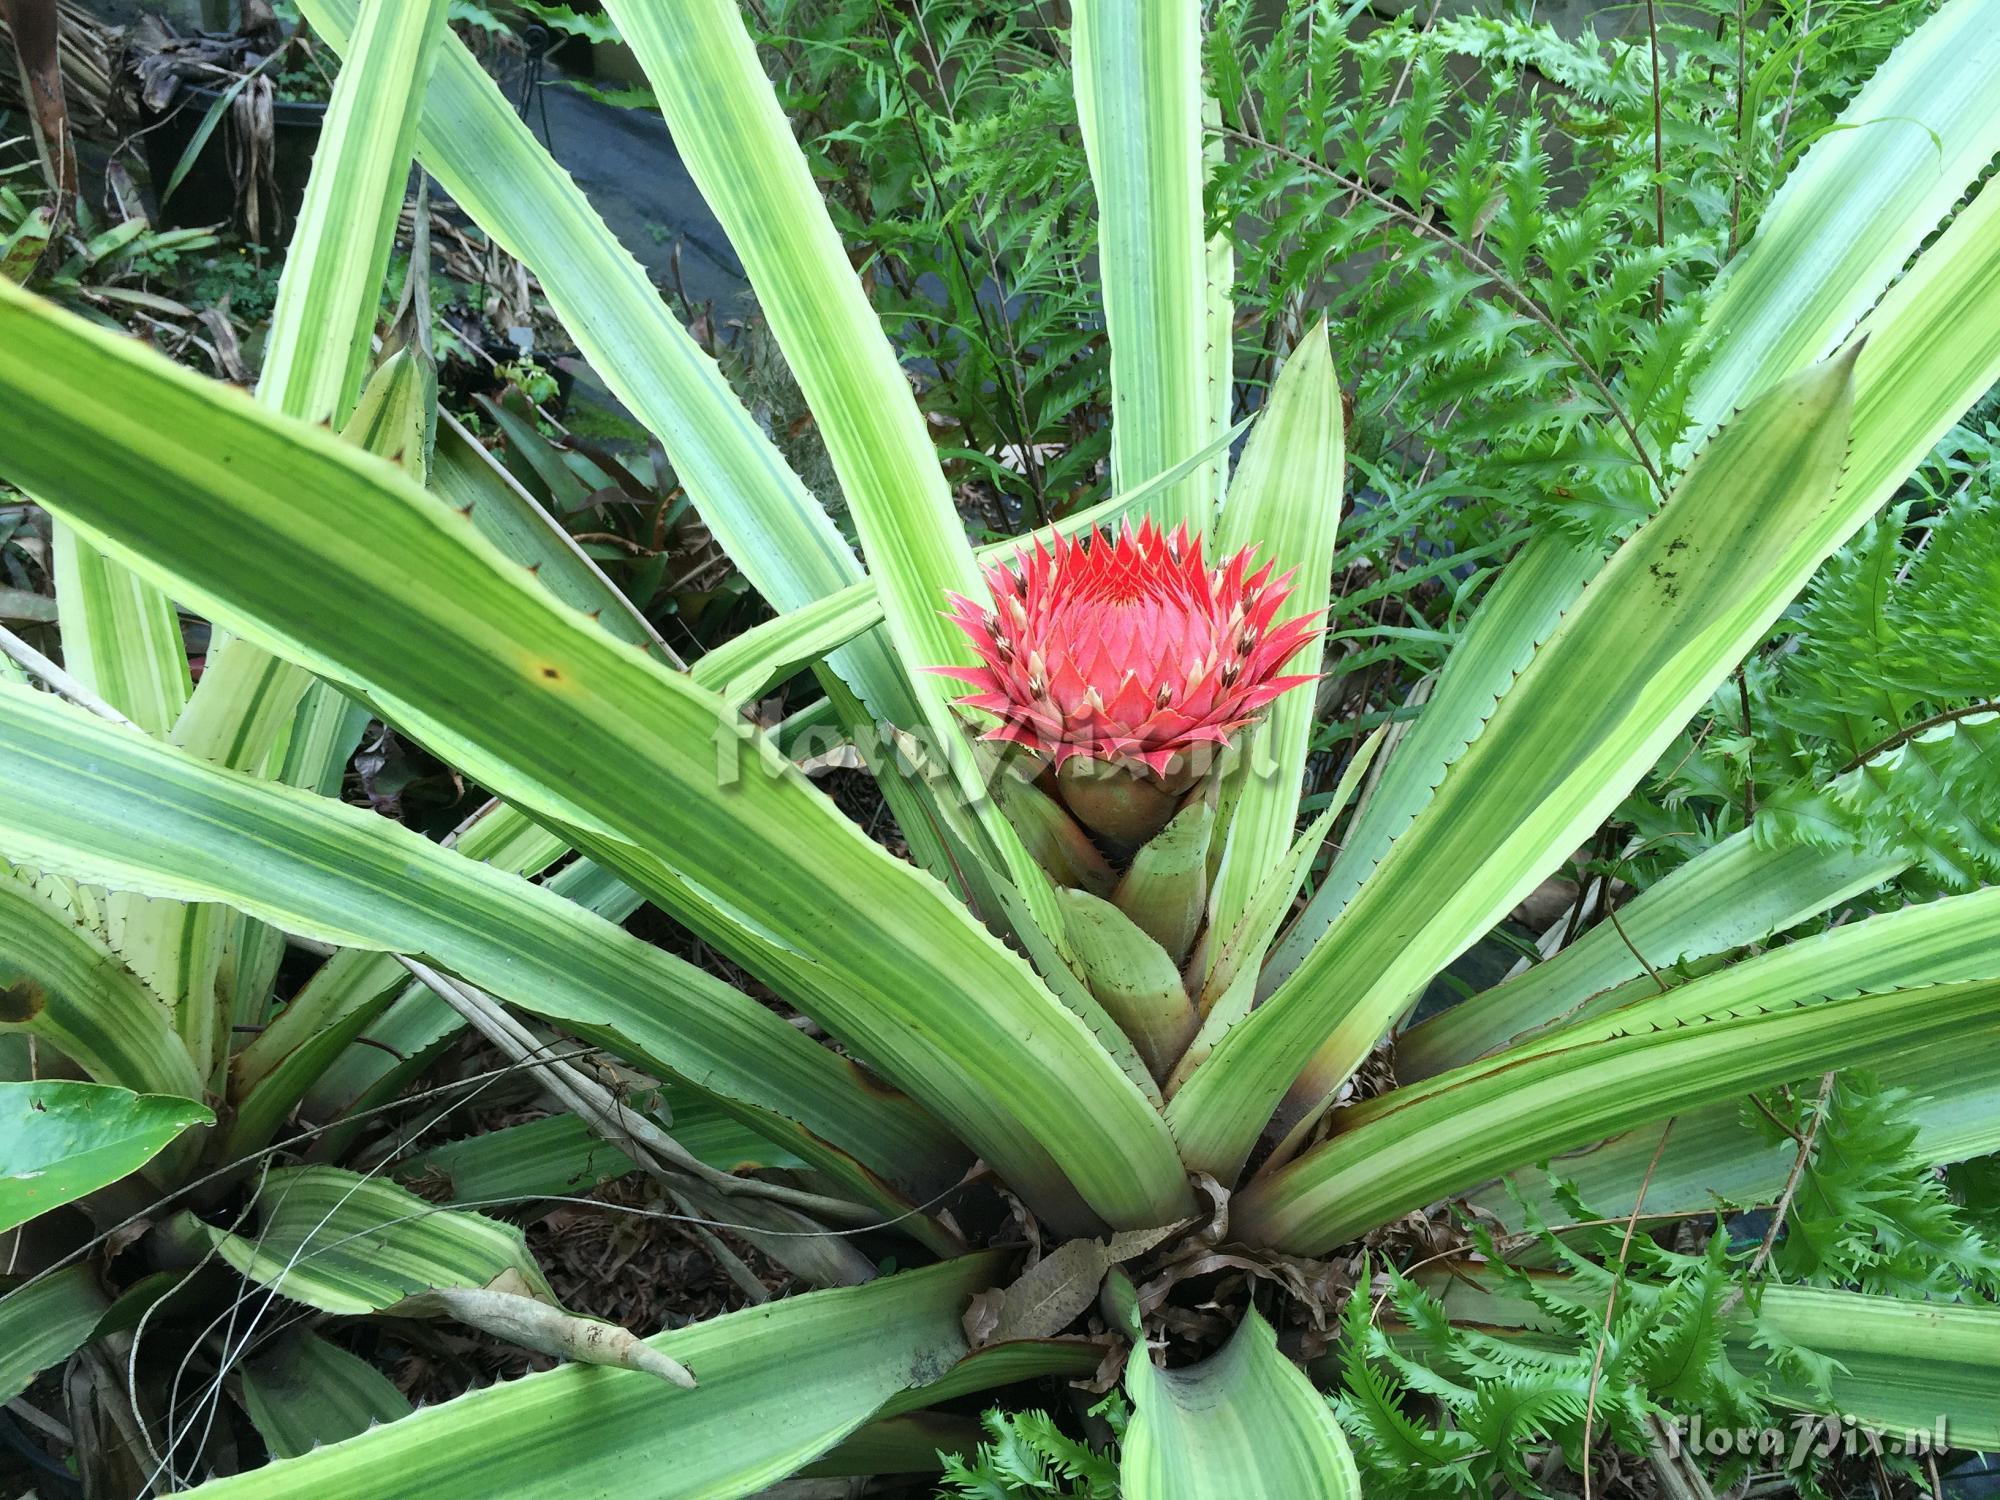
point(1128, 649)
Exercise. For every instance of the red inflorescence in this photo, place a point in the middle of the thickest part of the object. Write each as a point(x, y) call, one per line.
point(1127, 649)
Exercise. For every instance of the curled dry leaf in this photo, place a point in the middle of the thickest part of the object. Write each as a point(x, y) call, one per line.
point(516, 1318)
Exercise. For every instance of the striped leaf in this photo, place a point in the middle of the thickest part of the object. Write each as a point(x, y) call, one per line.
point(1245, 1423)
point(120, 635)
point(1897, 1366)
point(1517, 615)
point(1790, 296)
point(1284, 500)
point(315, 355)
point(470, 479)
point(1529, 1105)
point(44, 1321)
point(302, 1392)
point(318, 348)
point(275, 526)
point(1852, 212)
point(475, 143)
point(1643, 648)
point(1738, 892)
point(151, 817)
point(349, 1244)
point(738, 146)
point(1715, 1155)
point(1139, 100)
point(778, 1386)
point(1939, 942)
point(553, 1157)
point(61, 983)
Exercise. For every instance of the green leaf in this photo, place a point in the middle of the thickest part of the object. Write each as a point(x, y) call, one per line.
point(318, 347)
point(745, 667)
point(60, 982)
point(1859, 204)
point(349, 1244)
point(315, 356)
point(738, 146)
point(1924, 362)
point(1241, 949)
point(1139, 101)
point(151, 817)
point(278, 527)
point(1901, 1367)
point(1644, 646)
point(1285, 501)
point(779, 1385)
point(1530, 1104)
point(24, 604)
point(554, 1157)
point(319, 344)
point(120, 635)
point(44, 1322)
point(1003, 1364)
point(1132, 976)
point(1721, 1153)
point(63, 1140)
point(1246, 1422)
point(560, 1156)
point(1739, 892)
point(470, 479)
point(312, 1047)
point(1535, 589)
point(1051, 835)
point(476, 144)
point(1853, 211)
point(1938, 942)
point(913, 1444)
point(1165, 889)
point(396, 414)
point(302, 1392)
point(1898, 1366)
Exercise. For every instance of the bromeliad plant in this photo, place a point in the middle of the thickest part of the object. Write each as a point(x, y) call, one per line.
point(1122, 1031)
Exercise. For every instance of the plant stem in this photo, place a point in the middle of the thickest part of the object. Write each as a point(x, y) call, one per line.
point(1736, 176)
point(1611, 1303)
point(1904, 736)
point(1749, 749)
point(1659, 162)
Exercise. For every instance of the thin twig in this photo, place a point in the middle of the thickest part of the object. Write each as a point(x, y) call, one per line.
point(601, 1108)
point(1904, 736)
point(1763, 1255)
point(1611, 1303)
point(1611, 911)
point(1659, 163)
point(1792, 94)
point(1514, 293)
point(1736, 176)
point(56, 679)
point(1749, 749)
point(1770, 1114)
